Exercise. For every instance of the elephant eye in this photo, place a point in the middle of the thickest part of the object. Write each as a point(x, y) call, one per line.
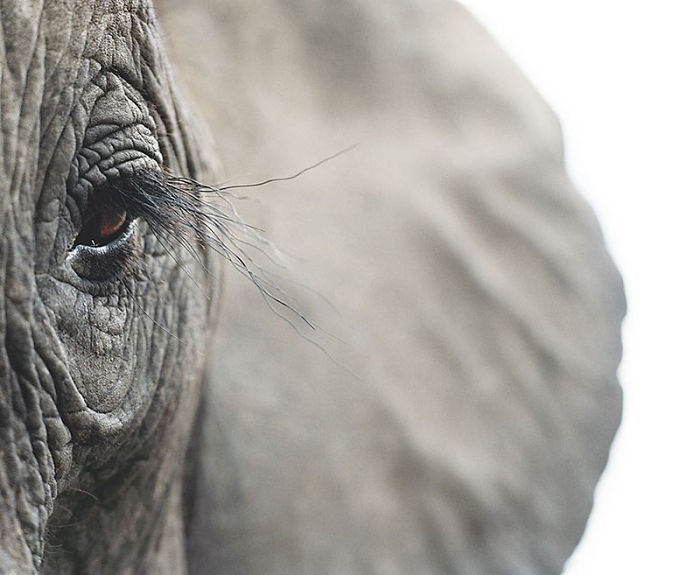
point(106, 224)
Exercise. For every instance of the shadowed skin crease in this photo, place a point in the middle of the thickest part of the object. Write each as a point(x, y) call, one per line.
point(168, 401)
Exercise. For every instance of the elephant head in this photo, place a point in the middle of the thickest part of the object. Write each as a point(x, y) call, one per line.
point(104, 315)
point(458, 420)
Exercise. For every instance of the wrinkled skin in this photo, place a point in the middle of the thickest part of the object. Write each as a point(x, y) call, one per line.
point(458, 406)
point(96, 399)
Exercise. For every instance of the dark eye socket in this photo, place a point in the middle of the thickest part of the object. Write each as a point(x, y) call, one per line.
point(106, 223)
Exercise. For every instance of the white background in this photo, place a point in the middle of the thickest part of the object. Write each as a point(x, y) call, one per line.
point(624, 76)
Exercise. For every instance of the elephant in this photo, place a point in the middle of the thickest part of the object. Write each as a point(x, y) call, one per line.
point(400, 361)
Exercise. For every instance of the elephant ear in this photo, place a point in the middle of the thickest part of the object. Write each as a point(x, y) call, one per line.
point(461, 413)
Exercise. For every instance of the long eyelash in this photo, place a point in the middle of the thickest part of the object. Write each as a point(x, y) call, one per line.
point(293, 176)
point(183, 212)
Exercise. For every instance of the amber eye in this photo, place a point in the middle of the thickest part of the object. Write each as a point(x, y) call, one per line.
point(104, 226)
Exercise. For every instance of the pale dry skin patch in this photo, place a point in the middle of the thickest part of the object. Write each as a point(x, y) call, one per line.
point(456, 412)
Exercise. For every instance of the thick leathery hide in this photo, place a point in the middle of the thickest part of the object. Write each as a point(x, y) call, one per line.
point(99, 376)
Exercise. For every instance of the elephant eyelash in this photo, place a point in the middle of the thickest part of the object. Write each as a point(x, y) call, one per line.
point(184, 213)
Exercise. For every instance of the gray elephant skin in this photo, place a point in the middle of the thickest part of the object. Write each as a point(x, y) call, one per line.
point(421, 376)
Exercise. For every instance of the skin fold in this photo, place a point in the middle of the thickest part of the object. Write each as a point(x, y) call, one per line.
point(420, 378)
